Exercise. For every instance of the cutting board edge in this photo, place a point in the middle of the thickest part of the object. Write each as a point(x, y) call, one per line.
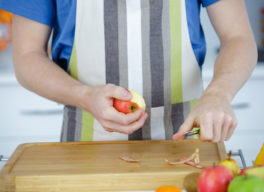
point(7, 183)
point(123, 182)
point(222, 151)
point(14, 158)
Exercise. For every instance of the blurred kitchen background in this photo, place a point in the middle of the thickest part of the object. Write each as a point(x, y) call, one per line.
point(26, 117)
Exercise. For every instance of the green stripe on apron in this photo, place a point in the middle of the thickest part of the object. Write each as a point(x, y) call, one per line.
point(87, 126)
point(87, 118)
point(193, 103)
point(176, 69)
point(73, 63)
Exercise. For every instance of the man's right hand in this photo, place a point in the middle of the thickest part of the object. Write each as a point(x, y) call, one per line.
point(36, 72)
point(99, 102)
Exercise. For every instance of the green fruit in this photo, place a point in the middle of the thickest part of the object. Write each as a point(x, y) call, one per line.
point(246, 183)
point(190, 182)
point(257, 171)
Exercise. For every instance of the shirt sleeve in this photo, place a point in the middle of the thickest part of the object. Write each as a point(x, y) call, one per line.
point(42, 11)
point(206, 3)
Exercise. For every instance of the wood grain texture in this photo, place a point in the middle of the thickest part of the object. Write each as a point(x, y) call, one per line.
point(96, 165)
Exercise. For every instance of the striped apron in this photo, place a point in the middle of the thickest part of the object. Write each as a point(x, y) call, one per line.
point(142, 45)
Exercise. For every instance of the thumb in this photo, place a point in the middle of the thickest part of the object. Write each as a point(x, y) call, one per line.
point(185, 127)
point(119, 93)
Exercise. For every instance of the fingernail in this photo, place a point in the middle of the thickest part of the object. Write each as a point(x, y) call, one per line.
point(127, 94)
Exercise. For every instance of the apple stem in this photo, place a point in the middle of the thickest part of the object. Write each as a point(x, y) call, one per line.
point(132, 108)
point(246, 176)
point(229, 155)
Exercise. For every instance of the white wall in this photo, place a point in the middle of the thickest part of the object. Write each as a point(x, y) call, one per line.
point(253, 8)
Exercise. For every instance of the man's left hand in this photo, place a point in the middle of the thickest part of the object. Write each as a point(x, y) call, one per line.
point(215, 118)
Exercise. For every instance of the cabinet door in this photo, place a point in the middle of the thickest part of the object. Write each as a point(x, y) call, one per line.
point(26, 117)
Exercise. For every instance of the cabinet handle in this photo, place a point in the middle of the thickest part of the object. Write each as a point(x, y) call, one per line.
point(240, 154)
point(41, 112)
point(2, 158)
point(244, 105)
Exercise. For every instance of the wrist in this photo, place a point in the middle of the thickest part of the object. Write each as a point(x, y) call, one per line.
point(218, 93)
point(83, 93)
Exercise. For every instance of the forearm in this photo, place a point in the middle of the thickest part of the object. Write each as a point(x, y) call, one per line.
point(36, 72)
point(233, 66)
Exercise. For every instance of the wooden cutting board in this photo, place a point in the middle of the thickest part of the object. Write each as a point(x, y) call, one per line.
point(96, 166)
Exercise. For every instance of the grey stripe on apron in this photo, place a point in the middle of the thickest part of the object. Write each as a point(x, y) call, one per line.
point(186, 111)
point(111, 41)
point(71, 112)
point(122, 42)
point(156, 53)
point(167, 63)
point(64, 128)
point(177, 116)
point(146, 131)
point(78, 128)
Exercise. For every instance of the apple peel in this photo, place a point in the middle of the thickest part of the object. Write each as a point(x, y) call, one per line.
point(193, 160)
point(129, 159)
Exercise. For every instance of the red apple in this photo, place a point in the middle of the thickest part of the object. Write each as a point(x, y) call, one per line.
point(137, 102)
point(214, 179)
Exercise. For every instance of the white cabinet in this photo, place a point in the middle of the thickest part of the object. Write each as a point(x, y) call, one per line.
point(248, 106)
point(26, 117)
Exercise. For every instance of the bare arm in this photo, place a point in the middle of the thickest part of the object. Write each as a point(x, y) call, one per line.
point(235, 63)
point(36, 72)
point(238, 53)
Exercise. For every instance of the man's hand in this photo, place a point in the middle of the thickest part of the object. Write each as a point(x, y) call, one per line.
point(233, 66)
point(37, 72)
point(215, 118)
point(99, 102)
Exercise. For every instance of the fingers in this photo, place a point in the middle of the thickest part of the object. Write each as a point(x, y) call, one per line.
point(186, 126)
point(117, 92)
point(218, 127)
point(108, 116)
point(225, 129)
point(126, 129)
point(227, 125)
point(206, 128)
point(120, 118)
point(231, 129)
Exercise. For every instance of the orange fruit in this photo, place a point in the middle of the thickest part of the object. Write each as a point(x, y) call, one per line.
point(168, 189)
point(5, 17)
point(4, 44)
